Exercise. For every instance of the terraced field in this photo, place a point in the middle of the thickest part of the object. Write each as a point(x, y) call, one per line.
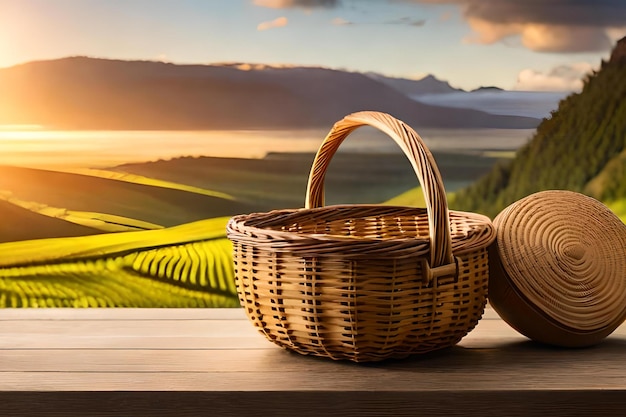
point(104, 239)
point(183, 266)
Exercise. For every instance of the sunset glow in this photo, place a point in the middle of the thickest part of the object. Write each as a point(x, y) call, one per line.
point(100, 149)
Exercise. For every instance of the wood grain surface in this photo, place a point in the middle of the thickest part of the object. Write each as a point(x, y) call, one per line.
point(165, 362)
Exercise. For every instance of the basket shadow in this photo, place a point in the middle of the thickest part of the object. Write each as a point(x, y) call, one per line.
point(525, 354)
point(522, 356)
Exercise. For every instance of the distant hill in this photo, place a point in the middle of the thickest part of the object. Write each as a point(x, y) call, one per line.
point(279, 180)
point(582, 147)
point(157, 205)
point(427, 85)
point(537, 104)
point(491, 99)
point(487, 88)
point(88, 93)
point(22, 224)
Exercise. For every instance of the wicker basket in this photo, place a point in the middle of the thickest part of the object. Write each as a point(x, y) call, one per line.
point(364, 282)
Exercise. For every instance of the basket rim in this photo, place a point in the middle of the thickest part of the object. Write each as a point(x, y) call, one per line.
point(476, 228)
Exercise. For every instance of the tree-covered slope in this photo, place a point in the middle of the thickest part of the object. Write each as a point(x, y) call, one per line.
point(579, 148)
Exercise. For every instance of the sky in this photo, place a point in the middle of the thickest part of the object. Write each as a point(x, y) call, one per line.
point(512, 44)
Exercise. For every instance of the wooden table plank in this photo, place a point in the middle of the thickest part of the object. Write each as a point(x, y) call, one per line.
point(161, 314)
point(317, 403)
point(213, 362)
point(272, 370)
point(124, 314)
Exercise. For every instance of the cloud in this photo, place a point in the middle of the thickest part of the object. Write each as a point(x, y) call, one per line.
point(560, 78)
point(284, 4)
point(407, 21)
point(445, 16)
point(276, 23)
point(616, 33)
point(338, 21)
point(545, 26)
point(544, 38)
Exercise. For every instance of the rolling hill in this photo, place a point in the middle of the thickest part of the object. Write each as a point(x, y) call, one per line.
point(279, 180)
point(87, 193)
point(22, 224)
point(87, 93)
point(39, 203)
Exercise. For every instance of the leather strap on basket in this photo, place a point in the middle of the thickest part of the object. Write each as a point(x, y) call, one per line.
point(423, 164)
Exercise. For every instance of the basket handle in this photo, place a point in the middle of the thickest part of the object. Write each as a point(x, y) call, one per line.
point(423, 164)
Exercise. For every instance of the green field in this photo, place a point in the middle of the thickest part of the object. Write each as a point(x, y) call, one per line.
point(182, 266)
point(130, 240)
point(619, 208)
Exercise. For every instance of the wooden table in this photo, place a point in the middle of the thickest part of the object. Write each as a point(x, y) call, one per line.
point(206, 362)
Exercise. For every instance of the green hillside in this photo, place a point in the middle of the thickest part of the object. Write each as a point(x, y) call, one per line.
point(108, 193)
point(580, 148)
point(15, 218)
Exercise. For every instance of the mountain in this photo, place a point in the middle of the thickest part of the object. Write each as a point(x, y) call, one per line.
point(88, 93)
point(537, 104)
point(491, 99)
point(427, 85)
point(582, 147)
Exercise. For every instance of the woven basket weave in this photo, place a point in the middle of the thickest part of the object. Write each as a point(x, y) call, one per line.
point(364, 282)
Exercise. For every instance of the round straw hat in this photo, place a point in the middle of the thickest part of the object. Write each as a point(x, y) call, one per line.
point(558, 268)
